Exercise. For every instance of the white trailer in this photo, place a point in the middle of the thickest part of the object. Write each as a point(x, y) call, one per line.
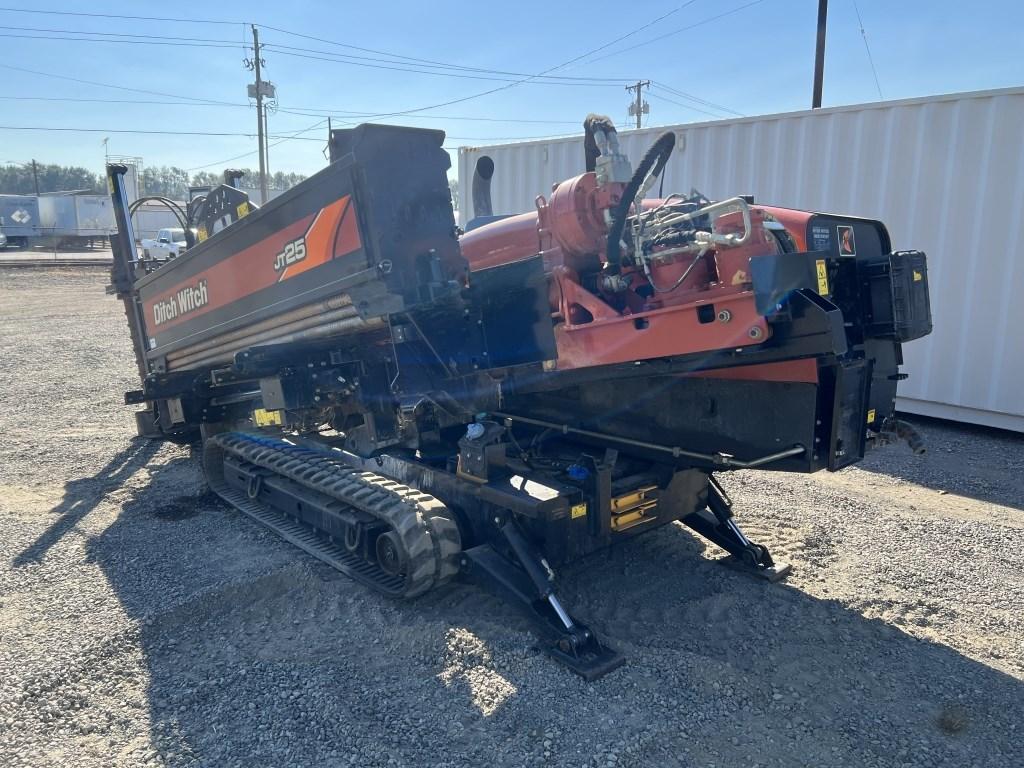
point(945, 173)
point(74, 218)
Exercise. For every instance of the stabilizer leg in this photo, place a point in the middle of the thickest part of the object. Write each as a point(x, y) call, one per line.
point(527, 580)
point(716, 524)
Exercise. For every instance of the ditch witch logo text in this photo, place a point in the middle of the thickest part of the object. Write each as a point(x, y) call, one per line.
point(188, 299)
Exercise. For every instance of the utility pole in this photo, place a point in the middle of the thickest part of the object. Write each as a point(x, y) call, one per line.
point(639, 107)
point(35, 175)
point(256, 63)
point(819, 54)
point(266, 148)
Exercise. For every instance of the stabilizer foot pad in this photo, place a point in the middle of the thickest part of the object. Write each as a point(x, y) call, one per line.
point(771, 573)
point(774, 573)
point(590, 665)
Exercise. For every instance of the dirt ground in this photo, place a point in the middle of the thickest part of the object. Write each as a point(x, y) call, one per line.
point(144, 623)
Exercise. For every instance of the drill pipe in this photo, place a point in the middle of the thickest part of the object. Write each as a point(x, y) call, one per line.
point(280, 322)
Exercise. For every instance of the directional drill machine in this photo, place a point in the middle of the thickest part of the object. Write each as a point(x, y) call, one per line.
point(409, 402)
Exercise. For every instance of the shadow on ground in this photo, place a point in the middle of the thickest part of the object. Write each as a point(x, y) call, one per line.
point(982, 463)
point(82, 496)
point(255, 654)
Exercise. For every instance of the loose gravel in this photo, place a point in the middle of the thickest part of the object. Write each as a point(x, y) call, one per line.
point(143, 623)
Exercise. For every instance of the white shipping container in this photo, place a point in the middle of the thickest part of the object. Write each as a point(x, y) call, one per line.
point(944, 173)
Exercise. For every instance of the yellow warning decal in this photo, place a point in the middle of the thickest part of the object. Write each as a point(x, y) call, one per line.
point(201, 234)
point(243, 209)
point(579, 510)
point(265, 418)
point(819, 267)
point(918, 277)
point(871, 416)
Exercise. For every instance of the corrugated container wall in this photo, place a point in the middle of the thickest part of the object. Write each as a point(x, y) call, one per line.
point(945, 174)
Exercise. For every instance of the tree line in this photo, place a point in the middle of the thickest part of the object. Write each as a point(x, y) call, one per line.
point(173, 182)
point(20, 180)
point(165, 181)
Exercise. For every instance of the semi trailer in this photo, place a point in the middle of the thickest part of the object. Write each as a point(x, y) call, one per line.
point(412, 403)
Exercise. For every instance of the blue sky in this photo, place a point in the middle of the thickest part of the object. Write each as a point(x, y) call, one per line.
point(755, 60)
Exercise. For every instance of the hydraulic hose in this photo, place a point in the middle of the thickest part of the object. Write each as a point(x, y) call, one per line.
point(173, 206)
point(653, 163)
point(906, 432)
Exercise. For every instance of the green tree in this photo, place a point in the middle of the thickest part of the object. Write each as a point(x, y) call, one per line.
point(18, 179)
point(207, 179)
point(162, 180)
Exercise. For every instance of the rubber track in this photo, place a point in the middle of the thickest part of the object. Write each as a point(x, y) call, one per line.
point(425, 526)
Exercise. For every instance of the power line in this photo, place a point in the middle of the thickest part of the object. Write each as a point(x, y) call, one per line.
point(118, 16)
point(225, 44)
point(677, 31)
point(141, 131)
point(121, 34)
point(295, 135)
point(162, 132)
point(658, 94)
point(288, 32)
point(684, 106)
point(407, 66)
point(490, 91)
point(538, 79)
point(315, 111)
point(116, 87)
point(124, 101)
point(867, 48)
point(509, 84)
point(200, 42)
point(395, 60)
point(299, 111)
point(401, 113)
point(458, 66)
point(356, 47)
point(72, 35)
point(697, 99)
point(539, 74)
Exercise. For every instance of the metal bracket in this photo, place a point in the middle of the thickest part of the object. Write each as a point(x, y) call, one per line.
point(716, 524)
point(526, 580)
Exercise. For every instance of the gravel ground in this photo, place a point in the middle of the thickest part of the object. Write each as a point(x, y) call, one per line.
point(143, 623)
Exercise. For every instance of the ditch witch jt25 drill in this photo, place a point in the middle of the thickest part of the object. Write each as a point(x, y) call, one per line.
point(411, 403)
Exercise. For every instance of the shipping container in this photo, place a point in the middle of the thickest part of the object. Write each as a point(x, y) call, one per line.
point(73, 218)
point(19, 218)
point(95, 215)
point(945, 173)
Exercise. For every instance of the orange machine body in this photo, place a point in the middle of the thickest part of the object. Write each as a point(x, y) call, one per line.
point(712, 308)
